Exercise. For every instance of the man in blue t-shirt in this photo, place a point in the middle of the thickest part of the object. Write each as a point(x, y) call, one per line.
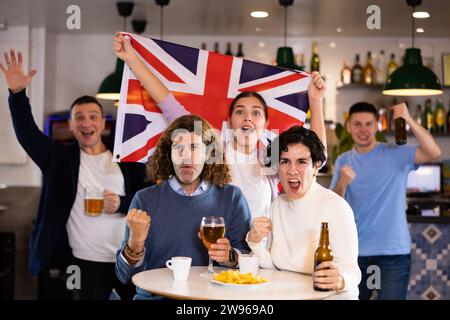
point(372, 178)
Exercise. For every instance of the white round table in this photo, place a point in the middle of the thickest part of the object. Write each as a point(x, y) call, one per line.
point(282, 285)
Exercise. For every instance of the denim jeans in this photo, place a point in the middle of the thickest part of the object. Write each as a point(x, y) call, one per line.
point(394, 276)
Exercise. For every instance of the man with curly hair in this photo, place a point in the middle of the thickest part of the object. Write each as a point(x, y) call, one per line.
point(192, 181)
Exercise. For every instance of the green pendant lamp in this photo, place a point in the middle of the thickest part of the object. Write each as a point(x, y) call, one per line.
point(285, 55)
point(412, 78)
point(110, 87)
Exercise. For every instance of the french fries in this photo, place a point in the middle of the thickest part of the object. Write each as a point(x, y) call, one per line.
point(234, 277)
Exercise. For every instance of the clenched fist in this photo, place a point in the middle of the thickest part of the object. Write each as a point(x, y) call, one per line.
point(401, 111)
point(139, 223)
point(316, 89)
point(261, 228)
point(346, 175)
point(122, 47)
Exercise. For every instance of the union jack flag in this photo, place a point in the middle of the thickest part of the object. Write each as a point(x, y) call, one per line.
point(205, 83)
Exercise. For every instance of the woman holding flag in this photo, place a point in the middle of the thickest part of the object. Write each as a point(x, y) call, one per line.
point(248, 119)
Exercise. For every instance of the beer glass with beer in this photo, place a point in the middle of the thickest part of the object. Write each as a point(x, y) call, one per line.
point(211, 229)
point(93, 201)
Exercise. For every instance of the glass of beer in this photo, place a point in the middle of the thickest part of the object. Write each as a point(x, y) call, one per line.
point(93, 201)
point(211, 229)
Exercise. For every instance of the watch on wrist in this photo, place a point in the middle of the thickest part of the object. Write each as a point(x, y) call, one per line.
point(232, 256)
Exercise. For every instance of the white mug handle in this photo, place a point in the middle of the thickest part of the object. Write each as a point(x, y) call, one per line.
point(169, 264)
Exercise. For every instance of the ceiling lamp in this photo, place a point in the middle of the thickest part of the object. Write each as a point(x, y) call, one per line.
point(285, 55)
point(161, 3)
point(412, 78)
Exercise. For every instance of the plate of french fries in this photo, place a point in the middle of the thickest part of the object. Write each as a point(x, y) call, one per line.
point(233, 278)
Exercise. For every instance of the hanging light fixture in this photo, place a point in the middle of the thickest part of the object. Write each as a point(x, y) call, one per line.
point(161, 3)
point(110, 86)
point(285, 55)
point(412, 78)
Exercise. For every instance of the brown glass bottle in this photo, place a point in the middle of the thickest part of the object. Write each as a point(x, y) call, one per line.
point(346, 74)
point(323, 252)
point(315, 59)
point(448, 119)
point(400, 131)
point(369, 71)
point(357, 71)
point(439, 117)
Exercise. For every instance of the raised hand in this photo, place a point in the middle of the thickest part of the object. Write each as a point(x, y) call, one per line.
point(122, 47)
point(316, 89)
point(15, 77)
point(346, 175)
point(401, 111)
point(220, 251)
point(139, 223)
point(327, 276)
point(261, 228)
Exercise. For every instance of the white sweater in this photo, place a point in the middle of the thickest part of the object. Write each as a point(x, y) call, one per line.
point(296, 232)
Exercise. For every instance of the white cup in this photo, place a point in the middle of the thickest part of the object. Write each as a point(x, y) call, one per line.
point(180, 267)
point(248, 263)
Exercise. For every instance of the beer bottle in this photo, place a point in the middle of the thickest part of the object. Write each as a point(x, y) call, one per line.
point(400, 131)
point(323, 252)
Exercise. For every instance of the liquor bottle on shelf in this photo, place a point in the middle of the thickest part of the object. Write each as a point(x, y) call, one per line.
point(418, 115)
point(429, 116)
point(380, 68)
point(315, 59)
point(357, 71)
point(391, 120)
point(302, 65)
point(369, 70)
point(216, 47)
point(240, 53)
point(383, 123)
point(228, 51)
point(439, 116)
point(392, 65)
point(346, 74)
point(448, 118)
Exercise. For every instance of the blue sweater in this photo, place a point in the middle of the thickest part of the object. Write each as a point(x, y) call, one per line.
point(175, 223)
